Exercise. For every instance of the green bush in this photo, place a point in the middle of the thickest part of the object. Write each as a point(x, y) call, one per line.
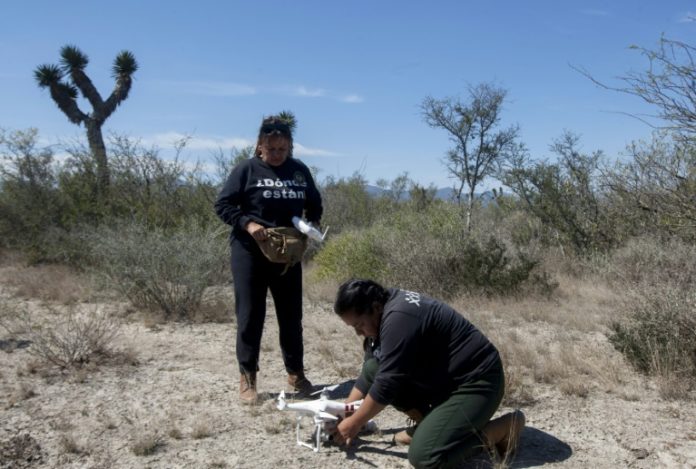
point(347, 205)
point(565, 195)
point(29, 199)
point(427, 250)
point(351, 254)
point(161, 270)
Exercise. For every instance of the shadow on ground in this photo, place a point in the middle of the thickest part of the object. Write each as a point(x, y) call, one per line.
point(537, 448)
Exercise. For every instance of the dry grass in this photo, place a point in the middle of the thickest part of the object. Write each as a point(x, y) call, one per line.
point(284, 424)
point(202, 428)
point(55, 283)
point(147, 444)
point(24, 391)
point(319, 291)
point(554, 341)
point(69, 444)
point(673, 387)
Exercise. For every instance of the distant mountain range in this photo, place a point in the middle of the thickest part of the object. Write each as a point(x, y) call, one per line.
point(443, 193)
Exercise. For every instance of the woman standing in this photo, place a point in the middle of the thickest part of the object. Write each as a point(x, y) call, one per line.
point(264, 192)
point(428, 361)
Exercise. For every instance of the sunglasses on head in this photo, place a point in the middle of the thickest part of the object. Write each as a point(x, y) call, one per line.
point(280, 127)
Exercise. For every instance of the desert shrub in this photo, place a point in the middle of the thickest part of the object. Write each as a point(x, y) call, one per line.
point(659, 335)
point(29, 198)
point(157, 191)
point(427, 250)
point(144, 186)
point(354, 253)
point(347, 204)
point(565, 196)
point(160, 270)
point(656, 188)
point(20, 450)
point(63, 338)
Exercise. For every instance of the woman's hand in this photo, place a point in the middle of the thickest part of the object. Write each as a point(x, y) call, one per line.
point(258, 232)
point(346, 431)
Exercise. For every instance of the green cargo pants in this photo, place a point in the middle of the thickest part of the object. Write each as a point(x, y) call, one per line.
point(451, 431)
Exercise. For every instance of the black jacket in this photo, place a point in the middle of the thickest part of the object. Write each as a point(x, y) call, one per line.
point(268, 195)
point(427, 349)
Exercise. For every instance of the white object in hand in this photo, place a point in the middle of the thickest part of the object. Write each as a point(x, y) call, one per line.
point(308, 229)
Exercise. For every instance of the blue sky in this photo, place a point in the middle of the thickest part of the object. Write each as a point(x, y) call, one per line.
point(354, 73)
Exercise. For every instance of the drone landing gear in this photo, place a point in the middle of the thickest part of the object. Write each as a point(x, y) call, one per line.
point(318, 435)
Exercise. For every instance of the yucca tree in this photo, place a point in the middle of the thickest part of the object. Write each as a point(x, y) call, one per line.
point(65, 80)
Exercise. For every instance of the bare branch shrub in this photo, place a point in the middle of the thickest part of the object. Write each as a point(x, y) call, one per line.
point(564, 195)
point(157, 269)
point(64, 338)
point(668, 84)
point(657, 187)
point(19, 450)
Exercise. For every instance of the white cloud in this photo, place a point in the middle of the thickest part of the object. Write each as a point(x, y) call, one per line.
point(301, 150)
point(594, 12)
point(168, 139)
point(688, 17)
point(213, 88)
point(212, 143)
point(308, 92)
point(352, 98)
point(227, 89)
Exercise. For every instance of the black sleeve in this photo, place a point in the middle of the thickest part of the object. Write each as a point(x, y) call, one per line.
point(313, 208)
point(400, 340)
point(227, 205)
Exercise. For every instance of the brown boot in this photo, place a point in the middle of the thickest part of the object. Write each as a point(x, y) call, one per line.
point(299, 382)
point(247, 388)
point(404, 437)
point(503, 434)
point(507, 446)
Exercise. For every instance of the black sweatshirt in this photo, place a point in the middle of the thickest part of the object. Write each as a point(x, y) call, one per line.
point(268, 195)
point(427, 349)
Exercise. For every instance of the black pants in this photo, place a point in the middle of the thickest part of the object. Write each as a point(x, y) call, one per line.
point(253, 276)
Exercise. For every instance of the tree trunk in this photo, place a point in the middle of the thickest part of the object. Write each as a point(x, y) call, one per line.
point(98, 149)
point(469, 209)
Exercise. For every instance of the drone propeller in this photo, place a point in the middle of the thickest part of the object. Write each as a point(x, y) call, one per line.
point(281, 401)
point(325, 389)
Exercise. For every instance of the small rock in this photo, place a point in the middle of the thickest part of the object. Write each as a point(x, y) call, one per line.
point(640, 453)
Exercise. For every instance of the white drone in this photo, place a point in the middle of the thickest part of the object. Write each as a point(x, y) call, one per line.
point(307, 228)
point(326, 414)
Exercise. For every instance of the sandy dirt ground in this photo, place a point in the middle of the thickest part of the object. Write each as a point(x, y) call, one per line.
point(172, 403)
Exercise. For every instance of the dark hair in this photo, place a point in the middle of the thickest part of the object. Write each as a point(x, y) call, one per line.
point(358, 295)
point(273, 126)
